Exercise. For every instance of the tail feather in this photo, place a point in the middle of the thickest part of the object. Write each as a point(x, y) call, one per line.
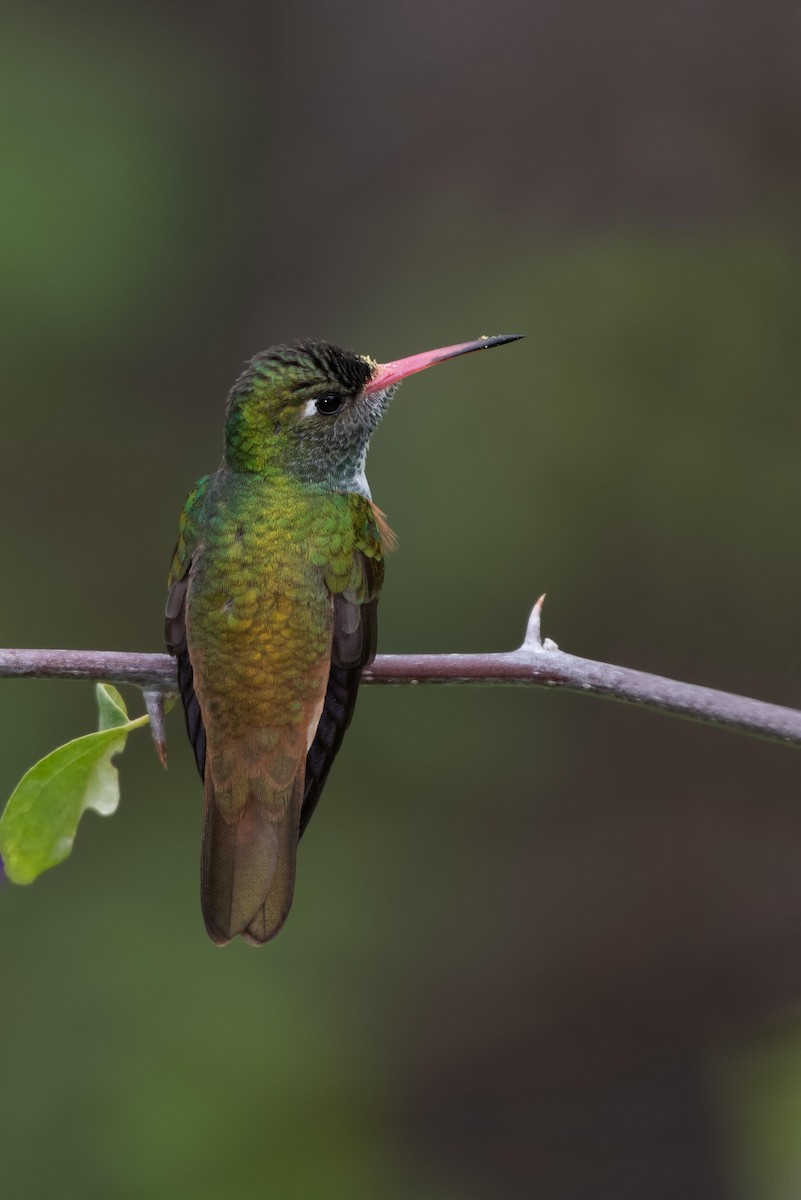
point(248, 861)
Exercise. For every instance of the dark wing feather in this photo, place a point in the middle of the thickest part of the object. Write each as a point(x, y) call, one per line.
point(353, 647)
point(175, 637)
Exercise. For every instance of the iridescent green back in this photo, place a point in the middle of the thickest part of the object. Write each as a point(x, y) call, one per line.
point(277, 585)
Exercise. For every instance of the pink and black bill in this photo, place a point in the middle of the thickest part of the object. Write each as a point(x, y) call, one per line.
point(387, 374)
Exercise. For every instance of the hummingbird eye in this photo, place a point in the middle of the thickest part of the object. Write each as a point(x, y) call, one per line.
point(329, 403)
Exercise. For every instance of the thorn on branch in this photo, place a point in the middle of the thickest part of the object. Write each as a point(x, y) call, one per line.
point(155, 703)
point(533, 639)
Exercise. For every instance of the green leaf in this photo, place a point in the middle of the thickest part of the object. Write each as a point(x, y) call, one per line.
point(111, 706)
point(38, 826)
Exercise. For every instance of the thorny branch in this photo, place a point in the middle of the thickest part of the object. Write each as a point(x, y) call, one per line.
point(536, 663)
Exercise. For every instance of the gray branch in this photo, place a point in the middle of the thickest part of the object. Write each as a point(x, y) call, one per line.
point(536, 663)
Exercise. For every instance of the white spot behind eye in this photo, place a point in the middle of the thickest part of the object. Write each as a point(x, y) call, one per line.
point(309, 409)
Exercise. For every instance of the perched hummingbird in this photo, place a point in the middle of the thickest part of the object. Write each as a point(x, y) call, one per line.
point(271, 611)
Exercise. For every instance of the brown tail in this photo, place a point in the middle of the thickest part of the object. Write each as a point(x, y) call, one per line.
point(248, 861)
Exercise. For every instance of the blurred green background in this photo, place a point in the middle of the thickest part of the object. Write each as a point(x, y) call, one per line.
point(541, 945)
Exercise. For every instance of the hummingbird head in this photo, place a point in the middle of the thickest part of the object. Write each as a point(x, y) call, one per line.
point(308, 409)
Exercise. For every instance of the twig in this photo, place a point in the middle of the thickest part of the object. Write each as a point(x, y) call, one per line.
point(536, 663)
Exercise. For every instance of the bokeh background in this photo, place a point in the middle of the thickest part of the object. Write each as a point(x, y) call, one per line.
point(542, 945)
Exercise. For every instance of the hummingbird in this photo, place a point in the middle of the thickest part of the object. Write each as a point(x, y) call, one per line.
point(271, 611)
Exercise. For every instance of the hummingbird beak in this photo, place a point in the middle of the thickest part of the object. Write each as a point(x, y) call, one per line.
point(387, 374)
